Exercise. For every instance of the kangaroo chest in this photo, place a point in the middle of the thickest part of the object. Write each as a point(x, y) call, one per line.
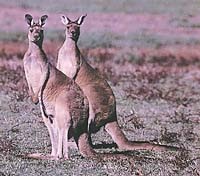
point(68, 62)
point(34, 72)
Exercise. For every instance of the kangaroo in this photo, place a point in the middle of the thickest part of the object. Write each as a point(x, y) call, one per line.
point(102, 103)
point(63, 105)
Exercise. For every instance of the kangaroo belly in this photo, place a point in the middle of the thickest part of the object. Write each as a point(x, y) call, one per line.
point(34, 79)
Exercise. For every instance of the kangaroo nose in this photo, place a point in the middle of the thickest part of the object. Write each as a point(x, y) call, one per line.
point(36, 35)
point(73, 33)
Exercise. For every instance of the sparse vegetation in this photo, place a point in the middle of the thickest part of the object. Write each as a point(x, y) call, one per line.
point(155, 103)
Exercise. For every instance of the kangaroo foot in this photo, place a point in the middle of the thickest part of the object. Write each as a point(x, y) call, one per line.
point(72, 145)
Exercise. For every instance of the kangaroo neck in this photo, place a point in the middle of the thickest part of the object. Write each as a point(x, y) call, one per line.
point(71, 47)
point(35, 49)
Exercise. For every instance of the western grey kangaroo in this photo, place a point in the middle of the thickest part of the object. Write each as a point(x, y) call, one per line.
point(102, 103)
point(63, 105)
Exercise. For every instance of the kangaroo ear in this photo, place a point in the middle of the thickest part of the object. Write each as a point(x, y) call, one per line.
point(65, 20)
point(29, 19)
point(42, 20)
point(80, 20)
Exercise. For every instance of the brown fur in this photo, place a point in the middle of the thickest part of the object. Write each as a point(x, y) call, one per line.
point(102, 103)
point(63, 105)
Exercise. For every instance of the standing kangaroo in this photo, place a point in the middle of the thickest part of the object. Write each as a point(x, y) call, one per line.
point(102, 103)
point(63, 105)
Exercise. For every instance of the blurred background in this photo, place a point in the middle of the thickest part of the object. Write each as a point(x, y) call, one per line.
point(109, 23)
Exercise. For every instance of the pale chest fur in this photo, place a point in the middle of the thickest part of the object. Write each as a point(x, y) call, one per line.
point(34, 72)
point(68, 62)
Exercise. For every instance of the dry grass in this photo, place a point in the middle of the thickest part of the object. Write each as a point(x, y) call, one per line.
point(157, 93)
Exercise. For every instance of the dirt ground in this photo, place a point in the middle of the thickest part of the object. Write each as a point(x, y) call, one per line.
point(156, 88)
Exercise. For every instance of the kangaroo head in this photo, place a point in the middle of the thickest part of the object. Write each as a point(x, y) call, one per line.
point(35, 33)
point(72, 27)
